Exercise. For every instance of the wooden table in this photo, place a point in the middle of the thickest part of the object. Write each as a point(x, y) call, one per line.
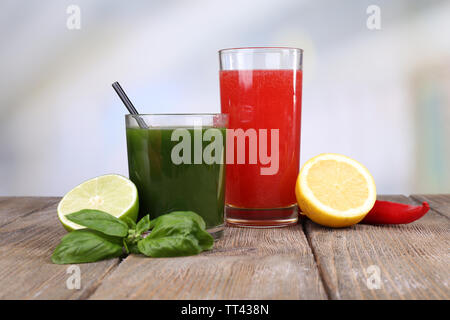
point(305, 261)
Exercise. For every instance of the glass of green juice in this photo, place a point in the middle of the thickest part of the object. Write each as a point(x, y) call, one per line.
point(177, 162)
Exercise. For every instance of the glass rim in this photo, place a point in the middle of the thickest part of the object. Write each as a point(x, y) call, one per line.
point(178, 114)
point(264, 48)
point(182, 120)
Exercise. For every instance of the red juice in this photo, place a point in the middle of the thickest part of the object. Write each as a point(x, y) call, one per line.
point(263, 99)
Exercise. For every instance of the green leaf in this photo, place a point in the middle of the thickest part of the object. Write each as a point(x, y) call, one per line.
point(143, 225)
point(176, 235)
point(182, 214)
point(131, 245)
point(131, 224)
point(182, 225)
point(130, 242)
point(86, 245)
point(169, 247)
point(100, 221)
point(205, 240)
point(125, 245)
point(168, 225)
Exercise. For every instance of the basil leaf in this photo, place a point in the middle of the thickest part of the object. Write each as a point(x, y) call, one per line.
point(86, 245)
point(143, 225)
point(182, 214)
point(205, 240)
point(168, 225)
point(100, 221)
point(125, 245)
point(130, 242)
point(176, 235)
point(169, 247)
point(130, 245)
point(133, 248)
point(131, 224)
point(182, 225)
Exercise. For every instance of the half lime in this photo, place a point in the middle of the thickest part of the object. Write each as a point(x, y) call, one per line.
point(110, 193)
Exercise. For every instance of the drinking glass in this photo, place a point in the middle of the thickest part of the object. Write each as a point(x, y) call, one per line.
point(261, 91)
point(177, 162)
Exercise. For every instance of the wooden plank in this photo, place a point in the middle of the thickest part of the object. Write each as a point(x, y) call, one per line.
point(413, 259)
point(245, 264)
point(439, 202)
point(26, 271)
point(12, 208)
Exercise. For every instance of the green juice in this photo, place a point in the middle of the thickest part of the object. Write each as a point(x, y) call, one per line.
point(164, 186)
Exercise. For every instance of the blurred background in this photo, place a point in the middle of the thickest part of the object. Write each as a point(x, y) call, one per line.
point(381, 96)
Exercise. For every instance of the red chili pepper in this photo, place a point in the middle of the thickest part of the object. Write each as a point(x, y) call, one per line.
point(386, 212)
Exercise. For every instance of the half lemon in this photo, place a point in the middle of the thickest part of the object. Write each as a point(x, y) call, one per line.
point(334, 190)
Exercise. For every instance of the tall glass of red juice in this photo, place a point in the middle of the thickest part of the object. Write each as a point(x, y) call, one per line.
point(261, 90)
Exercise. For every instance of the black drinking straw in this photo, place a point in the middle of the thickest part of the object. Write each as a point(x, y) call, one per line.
point(129, 105)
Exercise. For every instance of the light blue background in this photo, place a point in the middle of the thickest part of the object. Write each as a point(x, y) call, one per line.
point(379, 96)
